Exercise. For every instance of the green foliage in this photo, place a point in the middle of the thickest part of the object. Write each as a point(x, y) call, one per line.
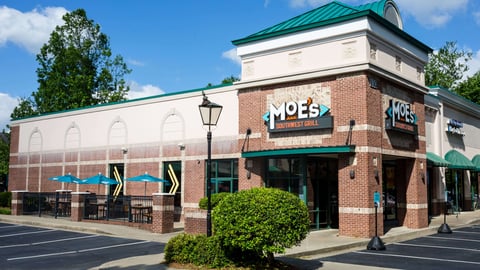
point(446, 67)
point(4, 153)
point(76, 69)
point(470, 88)
point(5, 211)
point(214, 200)
point(199, 250)
point(261, 220)
point(5, 199)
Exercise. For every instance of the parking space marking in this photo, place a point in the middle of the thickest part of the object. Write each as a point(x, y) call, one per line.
point(24, 233)
point(466, 232)
point(75, 251)
point(9, 226)
point(50, 241)
point(453, 239)
point(416, 257)
point(430, 246)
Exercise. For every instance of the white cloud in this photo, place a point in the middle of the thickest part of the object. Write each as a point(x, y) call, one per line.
point(137, 63)
point(476, 17)
point(7, 104)
point(29, 30)
point(140, 91)
point(432, 13)
point(232, 55)
point(474, 64)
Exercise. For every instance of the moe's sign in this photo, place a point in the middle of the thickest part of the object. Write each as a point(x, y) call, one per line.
point(400, 117)
point(298, 115)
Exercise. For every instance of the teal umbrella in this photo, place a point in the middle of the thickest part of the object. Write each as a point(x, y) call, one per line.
point(98, 179)
point(146, 178)
point(68, 178)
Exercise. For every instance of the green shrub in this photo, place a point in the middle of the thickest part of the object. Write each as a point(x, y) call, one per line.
point(199, 250)
point(5, 211)
point(261, 220)
point(6, 199)
point(214, 200)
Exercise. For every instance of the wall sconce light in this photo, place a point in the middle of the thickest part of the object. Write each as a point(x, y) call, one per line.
point(249, 166)
point(181, 146)
point(124, 150)
point(352, 174)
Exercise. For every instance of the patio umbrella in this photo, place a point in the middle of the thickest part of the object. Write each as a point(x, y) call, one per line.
point(98, 179)
point(68, 178)
point(146, 178)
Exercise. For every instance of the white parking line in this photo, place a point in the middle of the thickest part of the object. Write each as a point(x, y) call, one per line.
point(9, 226)
point(451, 239)
point(467, 232)
point(17, 234)
point(75, 251)
point(416, 257)
point(50, 241)
point(430, 246)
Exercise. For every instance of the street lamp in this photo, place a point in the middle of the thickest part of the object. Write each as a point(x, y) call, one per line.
point(210, 112)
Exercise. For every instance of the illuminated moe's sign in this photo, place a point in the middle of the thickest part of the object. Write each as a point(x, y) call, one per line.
point(400, 117)
point(298, 115)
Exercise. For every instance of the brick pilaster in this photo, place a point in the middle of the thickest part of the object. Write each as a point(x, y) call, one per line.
point(17, 202)
point(78, 205)
point(163, 213)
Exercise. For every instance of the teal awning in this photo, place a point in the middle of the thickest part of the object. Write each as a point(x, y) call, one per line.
point(301, 151)
point(476, 162)
point(436, 161)
point(459, 161)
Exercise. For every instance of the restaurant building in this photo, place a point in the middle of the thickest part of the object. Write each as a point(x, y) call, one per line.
point(330, 106)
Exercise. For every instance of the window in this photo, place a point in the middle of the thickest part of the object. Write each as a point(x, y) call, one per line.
point(284, 174)
point(224, 176)
point(172, 171)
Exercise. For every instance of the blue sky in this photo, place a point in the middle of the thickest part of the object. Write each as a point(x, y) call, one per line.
point(174, 45)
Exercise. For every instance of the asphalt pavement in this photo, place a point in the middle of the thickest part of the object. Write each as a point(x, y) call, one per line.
point(320, 243)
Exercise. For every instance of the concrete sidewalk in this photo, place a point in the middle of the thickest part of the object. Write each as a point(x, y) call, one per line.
point(318, 243)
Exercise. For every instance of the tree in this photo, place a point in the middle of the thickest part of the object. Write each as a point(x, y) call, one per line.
point(4, 158)
point(446, 67)
point(470, 88)
point(76, 69)
point(230, 79)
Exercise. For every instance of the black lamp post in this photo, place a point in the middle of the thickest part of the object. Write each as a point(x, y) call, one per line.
point(210, 112)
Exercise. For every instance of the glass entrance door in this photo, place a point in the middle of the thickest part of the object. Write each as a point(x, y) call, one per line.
point(389, 194)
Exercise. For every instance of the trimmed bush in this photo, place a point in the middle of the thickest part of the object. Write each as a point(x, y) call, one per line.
point(261, 220)
point(199, 250)
point(214, 200)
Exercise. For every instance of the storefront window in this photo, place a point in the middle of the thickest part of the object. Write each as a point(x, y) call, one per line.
point(284, 174)
point(224, 175)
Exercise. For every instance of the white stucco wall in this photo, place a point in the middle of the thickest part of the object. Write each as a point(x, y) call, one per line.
point(164, 118)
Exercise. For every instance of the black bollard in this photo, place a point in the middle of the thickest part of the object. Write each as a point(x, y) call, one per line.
point(376, 243)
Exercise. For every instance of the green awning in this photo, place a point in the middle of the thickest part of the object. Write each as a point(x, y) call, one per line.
point(459, 161)
point(476, 162)
point(436, 161)
point(301, 151)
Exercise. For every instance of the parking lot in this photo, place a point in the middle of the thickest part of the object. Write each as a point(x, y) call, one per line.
point(459, 250)
point(28, 247)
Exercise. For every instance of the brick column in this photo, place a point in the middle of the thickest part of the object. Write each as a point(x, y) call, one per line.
point(17, 202)
point(195, 221)
point(163, 213)
point(78, 205)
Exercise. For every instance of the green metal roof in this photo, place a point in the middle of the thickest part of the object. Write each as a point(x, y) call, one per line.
point(301, 151)
point(331, 13)
point(459, 161)
point(476, 162)
point(436, 161)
